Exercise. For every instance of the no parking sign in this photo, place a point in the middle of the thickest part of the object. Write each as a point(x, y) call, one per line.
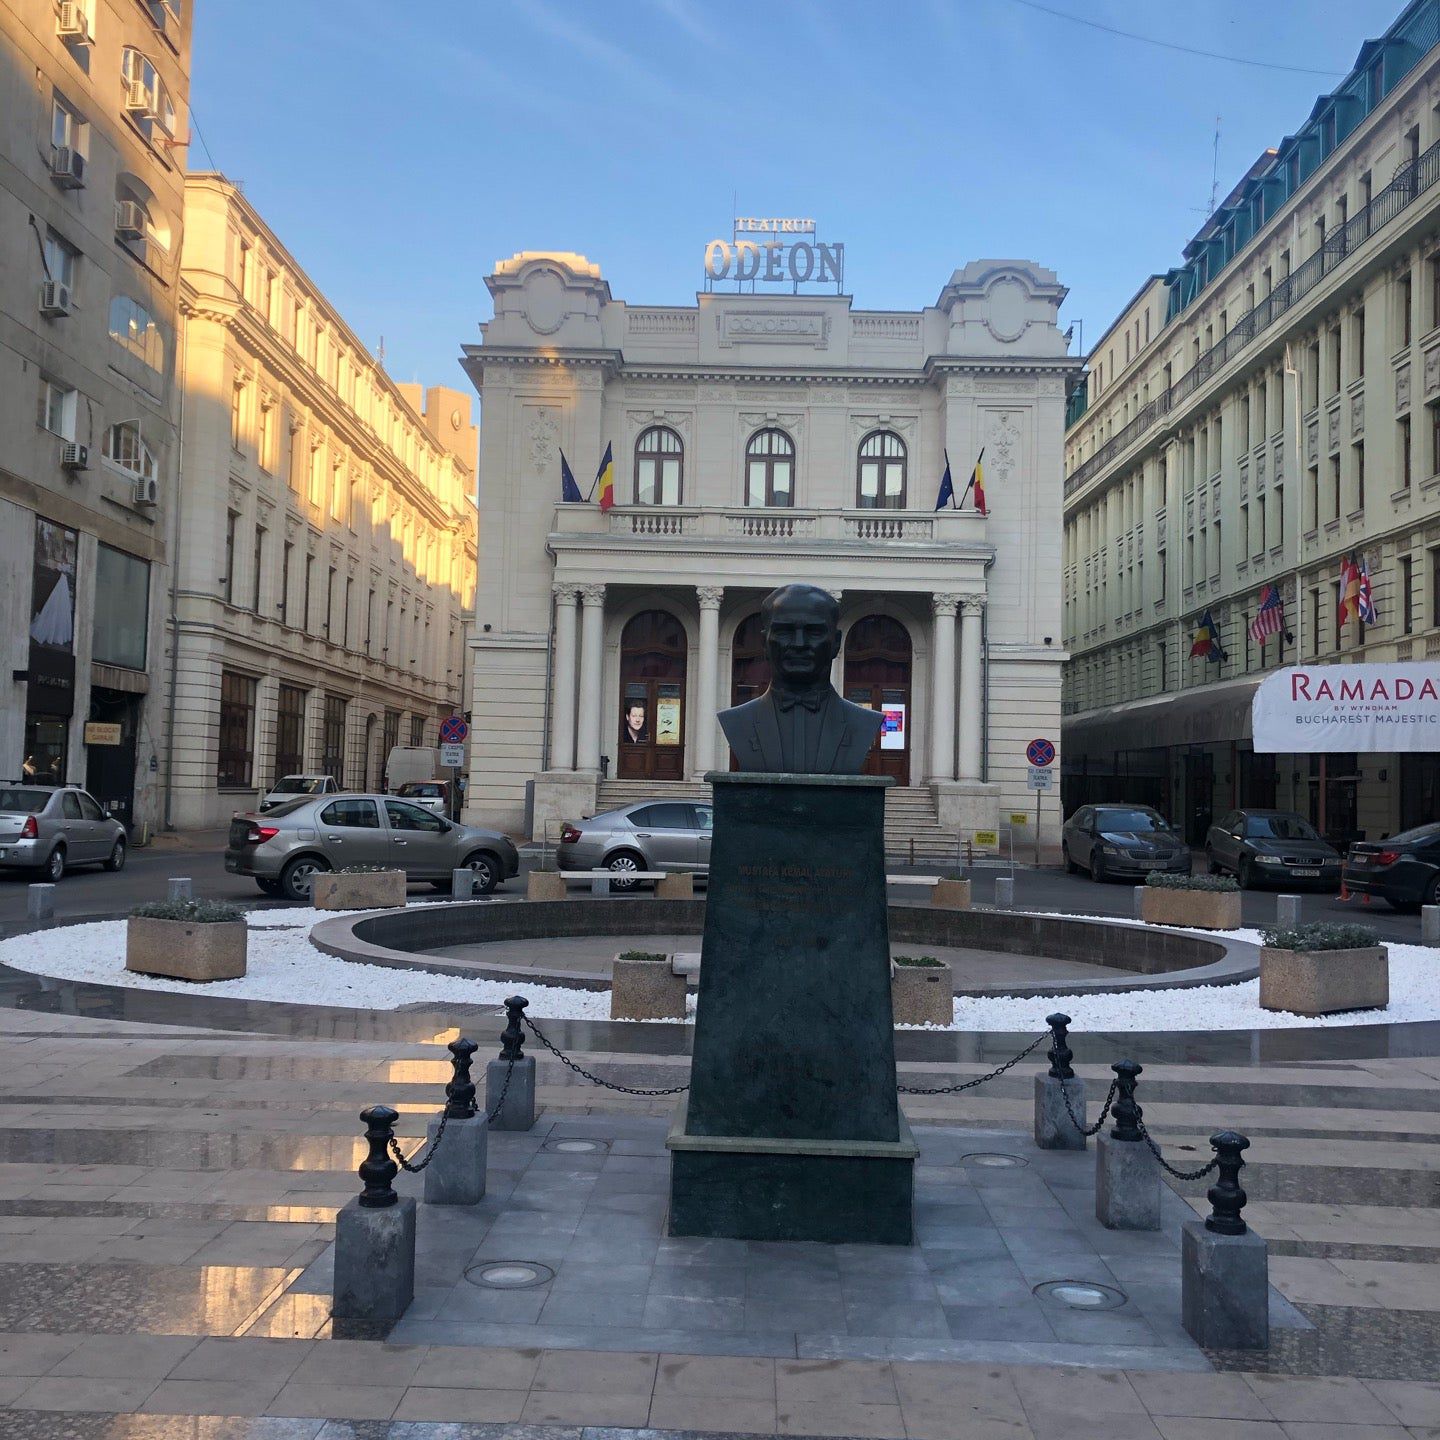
point(1040, 753)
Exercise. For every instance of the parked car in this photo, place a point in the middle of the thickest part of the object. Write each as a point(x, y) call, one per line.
point(285, 848)
point(1404, 870)
point(432, 794)
point(650, 835)
point(1115, 840)
point(53, 828)
point(289, 787)
point(1257, 846)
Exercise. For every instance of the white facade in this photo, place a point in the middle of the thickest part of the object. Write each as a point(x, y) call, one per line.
point(961, 612)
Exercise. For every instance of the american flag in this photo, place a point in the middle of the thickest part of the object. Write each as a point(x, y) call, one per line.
point(1270, 617)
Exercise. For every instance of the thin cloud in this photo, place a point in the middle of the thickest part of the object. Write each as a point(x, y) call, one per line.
point(685, 17)
point(640, 78)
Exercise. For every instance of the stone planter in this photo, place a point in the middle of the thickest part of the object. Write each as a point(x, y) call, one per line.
point(680, 886)
point(544, 885)
point(951, 894)
point(376, 890)
point(1193, 909)
point(922, 994)
point(646, 990)
point(1322, 982)
point(185, 949)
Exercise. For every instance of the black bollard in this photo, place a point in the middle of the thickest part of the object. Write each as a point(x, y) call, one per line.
point(510, 1080)
point(1226, 1197)
point(377, 1169)
point(460, 1092)
point(1126, 1111)
point(1060, 1053)
point(512, 1038)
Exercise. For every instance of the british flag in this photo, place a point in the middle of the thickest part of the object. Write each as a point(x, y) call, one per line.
point(1365, 601)
point(1270, 617)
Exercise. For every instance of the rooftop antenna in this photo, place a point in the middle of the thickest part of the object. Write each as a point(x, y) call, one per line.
point(1215, 168)
point(380, 354)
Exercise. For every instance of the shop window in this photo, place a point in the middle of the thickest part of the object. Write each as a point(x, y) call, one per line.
point(880, 483)
point(659, 467)
point(290, 731)
point(122, 608)
point(237, 729)
point(332, 758)
point(770, 469)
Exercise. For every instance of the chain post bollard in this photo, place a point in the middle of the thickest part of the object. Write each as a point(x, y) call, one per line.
point(460, 1092)
point(375, 1234)
point(1224, 1265)
point(510, 1079)
point(1059, 1122)
point(1127, 1172)
point(455, 1161)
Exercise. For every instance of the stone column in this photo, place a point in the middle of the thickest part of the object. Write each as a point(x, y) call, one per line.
point(837, 666)
point(704, 728)
point(972, 694)
point(592, 643)
point(942, 688)
point(562, 687)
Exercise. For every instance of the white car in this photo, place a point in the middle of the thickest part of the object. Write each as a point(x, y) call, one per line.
point(292, 787)
point(432, 794)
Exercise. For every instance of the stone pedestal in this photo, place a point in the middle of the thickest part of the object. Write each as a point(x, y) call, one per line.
point(374, 1261)
point(1287, 911)
point(185, 949)
point(462, 884)
point(1190, 909)
point(951, 894)
point(456, 1176)
point(1054, 1129)
point(1005, 893)
point(178, 887)
point(1430, 924)
point(646, 990)
point(518, 1111)
point(544, 885)
point(40, 901)
point(923, 994)
point(792, 1130)
point(679, 886)
point(1323, 982)
point(1224, 1288)
point(1127, 1185)
point(368, 890)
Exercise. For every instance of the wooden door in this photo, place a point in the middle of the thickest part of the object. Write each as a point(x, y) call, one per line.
point(749, 667)
point(651, 735)
point(877, 675)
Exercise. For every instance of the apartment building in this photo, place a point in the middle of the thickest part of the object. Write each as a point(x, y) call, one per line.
point(93, 129)
point(1259, 415)
point(326, 535)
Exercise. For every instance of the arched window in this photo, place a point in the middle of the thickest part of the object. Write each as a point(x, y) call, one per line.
point(770, 469)
point(140, 223)
point(146, 99)
point(659, 467)
point(125, 447)
point(880, 482)
point(132, 326)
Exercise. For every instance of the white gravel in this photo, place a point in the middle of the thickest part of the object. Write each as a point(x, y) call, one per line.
point(285, 966)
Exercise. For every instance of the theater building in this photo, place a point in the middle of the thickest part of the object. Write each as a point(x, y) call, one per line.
point(761, 437)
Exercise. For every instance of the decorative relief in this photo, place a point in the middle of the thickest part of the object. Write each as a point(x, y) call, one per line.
point(716, 394)
point(1312, 441)
point(1204, 506)
point(792, 422)
point(1432, 372)
point(1260, 471)
point(659, 392)
point(767, 327)
point(1402, 388)
point(863, 424)
point(592, 594)
point(1021, 385)
point(1244, 482)
point(781, 390)
point(828, 395)
point(972, 604)
point(1002, 442)
point(945, 606)
point(709, 596)
point(1332, 429)
point(544, 438)
point(1357, 415)
point(677, 420)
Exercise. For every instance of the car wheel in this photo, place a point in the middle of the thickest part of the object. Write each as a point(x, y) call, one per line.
point(1212, 866)
point(54, 868)
point(1071, 868)
point(1245, 875)
point(117, 855)
point(270, 888)
point(297, 878)
point(627, 862)
point(1097, 868)
point(1404, 907)
point(486, 869)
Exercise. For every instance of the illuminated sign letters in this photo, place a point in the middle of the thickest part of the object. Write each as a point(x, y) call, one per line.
point(791, 262)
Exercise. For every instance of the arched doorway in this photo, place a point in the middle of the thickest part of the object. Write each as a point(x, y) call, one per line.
point(749, 667)
point(652, 698)
point(877, 674)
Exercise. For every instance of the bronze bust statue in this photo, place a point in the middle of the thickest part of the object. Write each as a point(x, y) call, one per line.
point(800, 726)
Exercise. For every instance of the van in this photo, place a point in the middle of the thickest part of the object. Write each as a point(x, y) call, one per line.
point(408, 763)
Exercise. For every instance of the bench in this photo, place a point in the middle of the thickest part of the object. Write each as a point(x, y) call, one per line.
point(601, 880)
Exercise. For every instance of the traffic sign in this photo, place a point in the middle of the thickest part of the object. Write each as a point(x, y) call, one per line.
point(1040, 753)
point(1040, 778)
point(453, 731)
point(452, 756)
point(1019, 817)
point(987, 838)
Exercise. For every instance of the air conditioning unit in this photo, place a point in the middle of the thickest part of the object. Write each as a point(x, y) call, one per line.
point(73, 24)
point(67, 168)
point(129, 220)
point(139, 101)
point(54, 299)
point(75, 457)
point(147, 490)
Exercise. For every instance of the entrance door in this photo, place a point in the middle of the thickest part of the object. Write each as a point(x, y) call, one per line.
point(877, 675)
point(110, 769)
point(1199, 795)
point(652, 698)
point(749, 667)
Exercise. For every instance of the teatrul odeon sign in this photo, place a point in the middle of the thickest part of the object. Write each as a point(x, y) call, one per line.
point(775, 260)
point(1328, 708)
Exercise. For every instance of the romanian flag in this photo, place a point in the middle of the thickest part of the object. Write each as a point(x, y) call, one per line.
point(977, 483)
point(1349, 590)
point(1207, 640)
point(605, 479)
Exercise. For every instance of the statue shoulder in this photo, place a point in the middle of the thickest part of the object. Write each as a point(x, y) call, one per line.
point(862, 716)
point(739, 714)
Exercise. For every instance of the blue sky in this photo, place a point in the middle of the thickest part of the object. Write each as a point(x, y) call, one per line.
point(400, 149)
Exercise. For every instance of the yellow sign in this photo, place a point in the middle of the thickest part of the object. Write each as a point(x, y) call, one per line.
point(99, 733)
point(667, 721)
point(987, 837)
point(1017, 817)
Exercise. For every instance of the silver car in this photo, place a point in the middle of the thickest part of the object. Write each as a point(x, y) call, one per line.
point(652, 835)
point(285, 848)
point(53, 828)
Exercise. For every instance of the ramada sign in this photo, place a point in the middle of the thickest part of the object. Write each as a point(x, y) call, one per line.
point(1327, 708)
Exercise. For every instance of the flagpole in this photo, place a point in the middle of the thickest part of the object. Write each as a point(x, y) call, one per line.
point(1297, 505)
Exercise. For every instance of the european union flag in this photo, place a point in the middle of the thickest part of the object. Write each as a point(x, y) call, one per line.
point(569, 490)
point(947, 487)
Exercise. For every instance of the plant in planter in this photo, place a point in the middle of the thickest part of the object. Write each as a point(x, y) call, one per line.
point(359, 887)
point(922, 991)
point(1323, 968)
point(643, 986)
point(1198, 902)
point(196, 940)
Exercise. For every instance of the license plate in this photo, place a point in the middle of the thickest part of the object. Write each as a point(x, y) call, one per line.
point(1359, 861)
point(1304, 872)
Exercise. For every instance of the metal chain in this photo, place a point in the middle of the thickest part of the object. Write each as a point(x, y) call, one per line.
point(1199, 1174)
point(1094, 1129)
point(979, 1080)
point(595, 1079)
point(404, 1164)
point(492, 1115)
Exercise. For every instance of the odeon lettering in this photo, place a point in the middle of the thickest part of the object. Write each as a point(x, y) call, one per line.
point(774, 260)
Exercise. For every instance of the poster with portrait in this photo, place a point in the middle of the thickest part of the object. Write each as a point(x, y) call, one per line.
point(892, 726)
point(52, 620)
point(634, 720)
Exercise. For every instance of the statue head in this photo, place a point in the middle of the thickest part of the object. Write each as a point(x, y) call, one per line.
point(801, 626)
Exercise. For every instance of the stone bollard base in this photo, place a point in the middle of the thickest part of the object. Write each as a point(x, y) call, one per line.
point(1430, 924)
point(456, 1176)
point(1004, 893)
point(1054, 1129)
point(178, 887)
point(951, 894)
point(544, 885)
point(40, 902)
point(462, 884)
point(1224, 1288)
point(374, 1261)
point(1127, 1185)
point(680, 885)
point(1287, 911)
point(518, 1111)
